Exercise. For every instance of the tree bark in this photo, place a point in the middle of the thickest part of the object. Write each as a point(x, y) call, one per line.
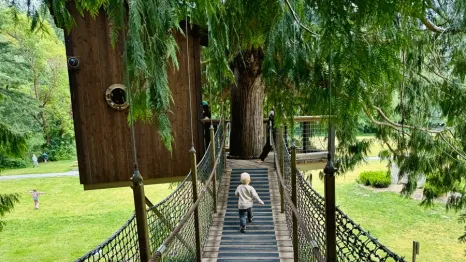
point(247, 103)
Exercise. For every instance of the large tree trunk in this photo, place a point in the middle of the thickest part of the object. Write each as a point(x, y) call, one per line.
point(247, 101)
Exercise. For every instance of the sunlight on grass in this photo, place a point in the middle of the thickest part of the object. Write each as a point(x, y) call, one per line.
point(70, 221)
point(49, 167)
point(396, 221)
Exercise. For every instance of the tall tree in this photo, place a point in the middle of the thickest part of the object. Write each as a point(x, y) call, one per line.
point(36, 61)
point(401, 62)
point(11, 143)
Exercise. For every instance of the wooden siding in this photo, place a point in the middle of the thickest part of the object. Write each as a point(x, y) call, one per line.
point(102, 133)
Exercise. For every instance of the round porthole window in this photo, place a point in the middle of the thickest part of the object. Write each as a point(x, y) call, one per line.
point(116, 97)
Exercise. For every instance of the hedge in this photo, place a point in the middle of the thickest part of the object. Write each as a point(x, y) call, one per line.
point(375, 178)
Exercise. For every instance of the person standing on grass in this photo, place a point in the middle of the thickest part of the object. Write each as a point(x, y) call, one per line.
point(247, 194)
point(35, 162)
point(35, 196)
point(45, 157)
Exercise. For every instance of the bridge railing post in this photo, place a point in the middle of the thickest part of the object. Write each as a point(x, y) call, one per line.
point(141, 215)
point(212, 164)
point(294, 198)
point(224, 135)
point(282, 166)
point(196, 211)
point(329, 195)
point(415, 250)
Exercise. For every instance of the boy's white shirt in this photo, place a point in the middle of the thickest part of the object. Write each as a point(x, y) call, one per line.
point(247, 194)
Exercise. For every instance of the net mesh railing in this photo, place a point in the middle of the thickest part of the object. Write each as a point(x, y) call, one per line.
point(353, 243)
point(308, 136)
point(163, 217)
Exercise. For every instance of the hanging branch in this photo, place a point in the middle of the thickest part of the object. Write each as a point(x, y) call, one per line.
point(398, 126)
point(437, 29)
point(297, 19)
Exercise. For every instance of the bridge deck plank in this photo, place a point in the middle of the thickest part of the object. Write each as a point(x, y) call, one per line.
point(282, 236)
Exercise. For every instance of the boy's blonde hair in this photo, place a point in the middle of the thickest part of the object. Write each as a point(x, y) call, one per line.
point(245, 178)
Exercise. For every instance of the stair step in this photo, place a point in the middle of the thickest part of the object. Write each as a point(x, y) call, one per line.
point(254, 232)
point(247, 259)
point(247, 242)
point(251, 226)
point(235, 223)
point(249, 255)
point(250, 248)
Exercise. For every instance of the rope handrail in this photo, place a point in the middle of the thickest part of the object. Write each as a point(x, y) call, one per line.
point(295, 210)
point(188, 214)
point(357, 226)
point(165, 215)
point(353, 243)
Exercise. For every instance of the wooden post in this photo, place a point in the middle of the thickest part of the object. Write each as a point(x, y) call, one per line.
point(415, 250)
point(224, 135)
point(294, 198)
point(282, 167)
point(212, 164)
point(196, 211)
point(329, 193)
point(141, 215)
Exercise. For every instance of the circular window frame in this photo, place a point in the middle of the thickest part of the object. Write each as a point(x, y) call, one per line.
point(108, 97)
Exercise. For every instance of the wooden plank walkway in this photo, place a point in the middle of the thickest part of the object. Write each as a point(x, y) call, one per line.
point(282, 236)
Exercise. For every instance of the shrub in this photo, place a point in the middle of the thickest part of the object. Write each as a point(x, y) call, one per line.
point(375, 178)
point(8, 163)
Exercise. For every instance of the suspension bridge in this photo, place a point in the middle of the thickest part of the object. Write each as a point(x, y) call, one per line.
point(199, 220)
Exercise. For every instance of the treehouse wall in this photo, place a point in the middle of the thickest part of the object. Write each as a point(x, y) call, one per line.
point(103, 137)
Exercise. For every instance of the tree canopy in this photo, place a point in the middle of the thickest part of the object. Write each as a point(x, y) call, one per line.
point(402, 63)
point(34, 83)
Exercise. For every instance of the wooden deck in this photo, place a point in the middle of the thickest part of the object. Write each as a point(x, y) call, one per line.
point(211, 249)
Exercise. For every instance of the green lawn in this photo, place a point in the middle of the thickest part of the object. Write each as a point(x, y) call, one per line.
point(397, 221)
point(70, 221)
point(49, 167)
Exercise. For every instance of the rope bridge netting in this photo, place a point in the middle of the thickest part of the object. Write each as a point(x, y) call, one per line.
point(165, 216)
point(353, 243)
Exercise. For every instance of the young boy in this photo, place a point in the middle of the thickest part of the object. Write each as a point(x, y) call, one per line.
point(247, 194)
point(35, 196)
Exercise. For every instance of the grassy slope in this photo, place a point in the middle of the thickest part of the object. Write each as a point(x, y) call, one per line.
point(397, 221)
point(70, 221)
point(50, 167)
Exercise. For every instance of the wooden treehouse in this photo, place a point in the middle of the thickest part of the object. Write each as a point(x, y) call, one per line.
point(100, 110)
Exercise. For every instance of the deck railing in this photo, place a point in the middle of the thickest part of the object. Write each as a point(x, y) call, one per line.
point(171, 221)
point(307, 210)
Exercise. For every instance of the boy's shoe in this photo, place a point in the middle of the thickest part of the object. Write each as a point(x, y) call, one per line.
point(260, 161)
point(241, 229)
point(250, 219)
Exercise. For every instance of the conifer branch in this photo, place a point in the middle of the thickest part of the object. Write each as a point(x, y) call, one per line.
point(438, 29)
point(295, 16)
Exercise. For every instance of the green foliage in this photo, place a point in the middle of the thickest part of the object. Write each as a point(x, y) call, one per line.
point(8, 163)
point(7, 202)
point(378, 179)
point(36, 101)
point(399, 62)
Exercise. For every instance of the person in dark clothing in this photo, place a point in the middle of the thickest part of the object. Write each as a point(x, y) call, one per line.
point(206, 114)
point(268, 146)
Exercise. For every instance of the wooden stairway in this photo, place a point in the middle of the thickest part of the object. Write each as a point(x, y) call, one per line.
point(267, 238)
point(259, 241)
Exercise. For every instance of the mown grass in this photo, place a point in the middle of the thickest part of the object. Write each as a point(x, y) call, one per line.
point(70, 221)
point(43, 168)
point(396, 221)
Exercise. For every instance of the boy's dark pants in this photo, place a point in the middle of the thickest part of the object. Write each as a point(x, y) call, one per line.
point(242, 216)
